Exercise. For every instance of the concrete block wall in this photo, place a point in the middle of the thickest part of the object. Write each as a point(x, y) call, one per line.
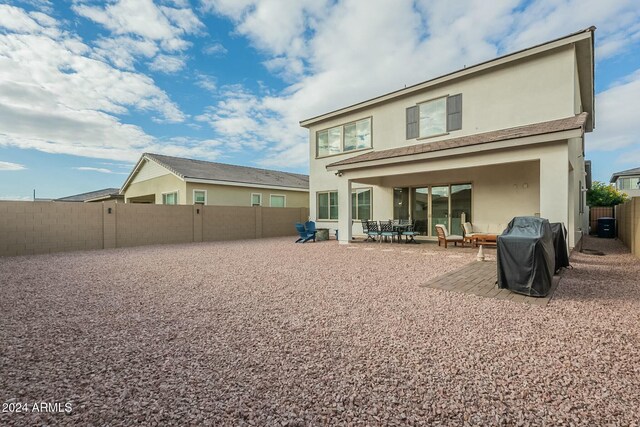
point(41, 227)
point(45, 227)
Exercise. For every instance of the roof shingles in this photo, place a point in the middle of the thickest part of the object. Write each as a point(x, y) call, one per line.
point(200, 169)
point(569, 123)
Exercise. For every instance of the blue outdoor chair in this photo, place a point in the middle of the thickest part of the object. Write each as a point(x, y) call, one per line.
point(310, 226)
point(304, 234)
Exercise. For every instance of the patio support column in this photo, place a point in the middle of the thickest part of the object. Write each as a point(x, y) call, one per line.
point(554, 186)
point(344, 211)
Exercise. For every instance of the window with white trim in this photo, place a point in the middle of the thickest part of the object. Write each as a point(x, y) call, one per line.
point(277, 201)
point(170, 198)
point(327, 205)
point(199, 197)
point(256, 199)
point(348, 137)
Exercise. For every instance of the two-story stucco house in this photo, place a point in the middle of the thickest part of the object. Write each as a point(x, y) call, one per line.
point(484, 144)
point(627, 181)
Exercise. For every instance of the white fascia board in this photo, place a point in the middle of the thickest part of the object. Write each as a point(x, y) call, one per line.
point(448, 77)
point(139, 165)
point(461, 151)
point(243, 184)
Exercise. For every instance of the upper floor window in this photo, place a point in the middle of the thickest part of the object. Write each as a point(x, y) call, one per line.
point(347, 137)
point(435, 117)
point(629, 183)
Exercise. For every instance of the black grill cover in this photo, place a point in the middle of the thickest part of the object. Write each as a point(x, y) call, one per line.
point(560, 245)
point(526, 257)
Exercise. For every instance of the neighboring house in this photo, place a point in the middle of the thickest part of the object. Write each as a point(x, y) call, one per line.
point(627, 181)
point(178, 181)
point(484, 144)
point(95, 196)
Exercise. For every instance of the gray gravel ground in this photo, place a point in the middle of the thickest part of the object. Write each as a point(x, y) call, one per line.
point(272, 333)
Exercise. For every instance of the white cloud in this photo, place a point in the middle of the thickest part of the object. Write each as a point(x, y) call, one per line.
point(100, 170)
point(58, 96)
point(334, 54)
point(8, 166)
point(142, 18)
point(617, 109)
point(17, 198)
point(123, 52)
point(215, 49)
point(206, 82)
point(167, 64)
point(142, 29)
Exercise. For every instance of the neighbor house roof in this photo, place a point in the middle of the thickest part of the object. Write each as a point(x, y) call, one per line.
point(569, 123)
point(221, 173)
point(628, 172)
point(93, 196)
point(582, 40)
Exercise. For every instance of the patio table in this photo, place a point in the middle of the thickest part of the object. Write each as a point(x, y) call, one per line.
point(484, 239)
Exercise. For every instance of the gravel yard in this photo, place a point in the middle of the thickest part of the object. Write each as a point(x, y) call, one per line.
point(272, 333)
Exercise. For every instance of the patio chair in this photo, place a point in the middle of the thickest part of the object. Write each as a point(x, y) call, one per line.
point(365, 230)
point(468, 232)
point(372, 230)
point(409, 233)
point(444, 236)
point(304, 234)
point(310, 226)
point(386, 230)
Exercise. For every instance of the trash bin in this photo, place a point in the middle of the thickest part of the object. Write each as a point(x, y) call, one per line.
point(607, 227)
point(526, 257)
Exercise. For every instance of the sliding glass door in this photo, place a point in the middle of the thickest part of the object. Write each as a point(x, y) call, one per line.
point(420, 209)
point(460, 207)
point(430, 205)
point(439, 207)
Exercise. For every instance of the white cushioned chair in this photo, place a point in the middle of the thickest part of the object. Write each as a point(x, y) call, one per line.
point(444, 236)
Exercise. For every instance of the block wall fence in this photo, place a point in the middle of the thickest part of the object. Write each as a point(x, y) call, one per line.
point(628, 224)
point(44, 227)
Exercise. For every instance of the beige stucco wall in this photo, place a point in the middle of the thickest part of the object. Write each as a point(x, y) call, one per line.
point(533, 90)
point(158, 185)
point(224, 195)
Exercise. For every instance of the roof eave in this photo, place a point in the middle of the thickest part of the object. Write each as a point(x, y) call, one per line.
point(457, 151)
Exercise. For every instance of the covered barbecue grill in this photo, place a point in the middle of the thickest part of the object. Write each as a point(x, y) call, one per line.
point(526, 256)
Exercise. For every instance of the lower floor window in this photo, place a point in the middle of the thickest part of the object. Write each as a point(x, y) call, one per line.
point(256, 199)
point(199, 197)
point(277, 201)
point(361, 204)
point(328, 205)
point(170, 198)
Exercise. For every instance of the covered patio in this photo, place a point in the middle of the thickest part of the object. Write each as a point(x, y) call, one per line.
point(483, 181)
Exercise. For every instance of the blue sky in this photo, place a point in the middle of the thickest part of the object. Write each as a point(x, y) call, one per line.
point(87, 86)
